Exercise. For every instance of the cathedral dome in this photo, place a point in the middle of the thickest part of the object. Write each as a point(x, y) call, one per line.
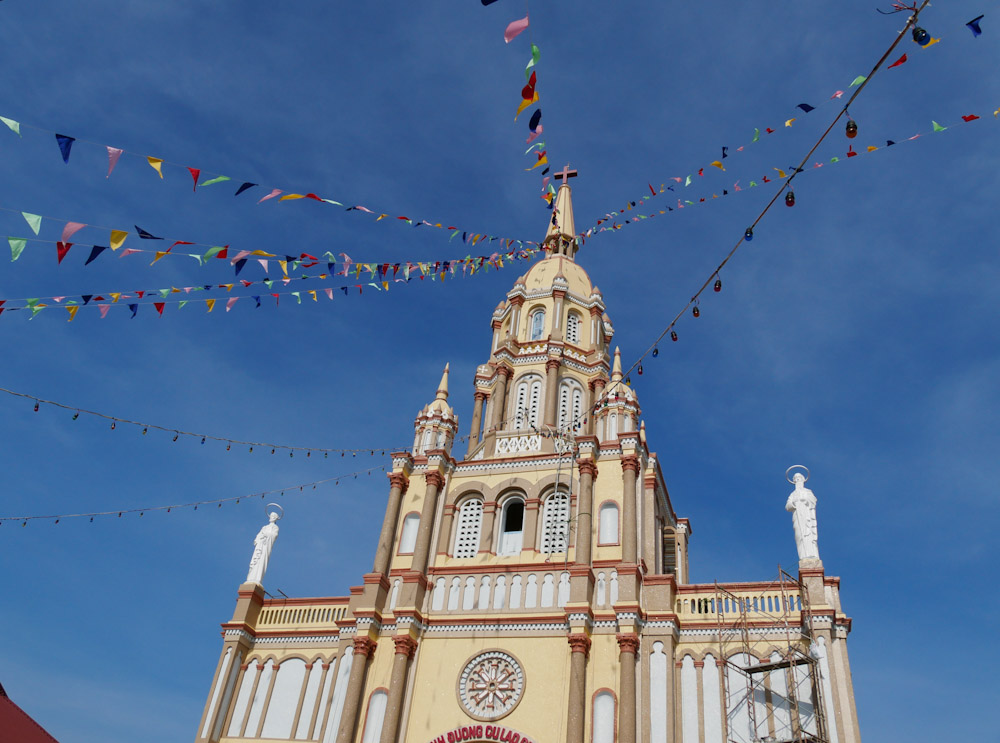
point(545, 273)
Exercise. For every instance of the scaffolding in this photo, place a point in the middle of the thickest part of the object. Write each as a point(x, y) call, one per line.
point(770, 680)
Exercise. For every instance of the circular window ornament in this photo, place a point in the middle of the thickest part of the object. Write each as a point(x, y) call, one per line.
point(491, 685)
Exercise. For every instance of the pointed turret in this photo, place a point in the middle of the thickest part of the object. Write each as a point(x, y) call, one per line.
point(616, 370)
point(437, 424)
point(560, 237)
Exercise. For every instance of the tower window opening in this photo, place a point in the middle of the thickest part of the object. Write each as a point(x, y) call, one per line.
point(470, 524)
point(555, 523)
point(573, 328)
point(537, 325)
point(512, 528)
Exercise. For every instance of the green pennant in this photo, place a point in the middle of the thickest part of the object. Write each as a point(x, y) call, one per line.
point(211, 252)
point(857, 81)
point(182, 303)
point(16, 247)
point(535, 56)
point(34, 221)
point(298, 296)
point(218, 179)
point(938, 127)
point(12, 125)
point(756, 135)
point(268, 283)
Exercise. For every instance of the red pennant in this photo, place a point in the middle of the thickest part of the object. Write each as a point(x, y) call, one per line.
point(195, 174)
point(769, 130)
point(897, 63)
point(528, 91)
point(140, 293)
point(62, 249)
point(313, 196)
point(159, 307)
point(224, 253)
point(970, 117)
point(851, 152)
point(650, 190)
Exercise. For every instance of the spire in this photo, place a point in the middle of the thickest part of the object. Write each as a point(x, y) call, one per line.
point(442, 391)
point(616, 370)
point(561, 234)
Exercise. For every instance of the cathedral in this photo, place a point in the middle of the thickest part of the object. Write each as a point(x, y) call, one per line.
point(530, 583)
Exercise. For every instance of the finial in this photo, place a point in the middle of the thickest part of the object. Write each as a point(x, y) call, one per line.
point(616, 369)
point(442, 390)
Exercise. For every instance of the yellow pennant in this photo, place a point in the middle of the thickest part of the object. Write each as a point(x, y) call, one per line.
point(115, 296)
point(544, 161)
point(781, 173)
point(718, 164)
point(156, 164)
point(789, 122)
point(159, 254)
point(872, 148)
point(525, 104)
point(284, 267)
point(210, 303)
point(117, 238)
point(72, 312)
point(229, 287)
point(385, 285)
point(286, 197)
point(313, 293)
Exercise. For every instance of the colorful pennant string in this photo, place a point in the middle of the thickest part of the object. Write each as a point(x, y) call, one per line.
point(714, 279)
point(609, 222)
point(65, 144)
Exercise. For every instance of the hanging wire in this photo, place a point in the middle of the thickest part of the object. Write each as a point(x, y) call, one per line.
point(192, 504)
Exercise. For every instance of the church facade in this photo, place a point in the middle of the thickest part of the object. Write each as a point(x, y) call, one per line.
point(530, 583)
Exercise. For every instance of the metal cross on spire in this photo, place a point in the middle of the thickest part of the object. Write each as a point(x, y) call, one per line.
point(565, 174)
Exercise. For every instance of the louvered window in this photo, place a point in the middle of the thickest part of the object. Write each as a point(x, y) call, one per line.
point(564, 416)
point(520, 405)
point(573, 328)
point(577, 407)
point(534, 401)
point(470, 524)
point(555, 523)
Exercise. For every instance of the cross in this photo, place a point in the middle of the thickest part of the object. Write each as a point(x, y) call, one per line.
point(565, 174)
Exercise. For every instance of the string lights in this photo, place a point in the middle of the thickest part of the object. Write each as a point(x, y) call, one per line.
point(652, 350)
point(56, 518)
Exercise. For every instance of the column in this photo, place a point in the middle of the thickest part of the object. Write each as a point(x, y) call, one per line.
point(435, 481)
point(477, 420)
point(500, 397)
point(398, 483)
point(585, 512)
point(628, 646)
point(551, 391)
point(630, 471)
point(596, 388)
point(405, 645)
point(580, 649)
point(363, 651)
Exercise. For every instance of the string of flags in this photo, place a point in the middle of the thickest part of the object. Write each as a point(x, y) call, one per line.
point(261, 446)
point(65, 144)
point(609, 222)
point(218, 502)
point(714, 279)
point(240, 258)
point(919, 35)
point(530, 99)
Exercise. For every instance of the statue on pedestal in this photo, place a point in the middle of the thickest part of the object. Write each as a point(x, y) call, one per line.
point(802, 503)
point(262, 545)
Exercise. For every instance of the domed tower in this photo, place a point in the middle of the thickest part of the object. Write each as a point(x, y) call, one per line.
point(537, 590)
point(437, 424)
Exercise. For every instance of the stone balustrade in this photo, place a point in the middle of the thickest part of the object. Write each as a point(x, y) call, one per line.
point(704, 602)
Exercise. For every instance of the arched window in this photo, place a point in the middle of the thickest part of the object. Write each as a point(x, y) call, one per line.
point(573, 328)
point(604, 717)
point(570, 404)
point(527, 402)
point(607, 530)
point(555, 523)
point(669, 551)
point(612, 426)
point(537, 325)
point(376, 714)
point(408, 534)
point(511, 527)
point(470, 523)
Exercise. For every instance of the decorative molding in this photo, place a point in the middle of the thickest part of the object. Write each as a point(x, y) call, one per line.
point(364, 647)
point(405, 645)
point(628, 642)
point(579, 643)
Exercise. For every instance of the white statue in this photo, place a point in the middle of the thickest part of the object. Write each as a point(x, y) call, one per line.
point(802, 504)
point(262, 545)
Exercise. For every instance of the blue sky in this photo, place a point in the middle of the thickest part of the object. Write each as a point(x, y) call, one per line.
point(856, 334)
